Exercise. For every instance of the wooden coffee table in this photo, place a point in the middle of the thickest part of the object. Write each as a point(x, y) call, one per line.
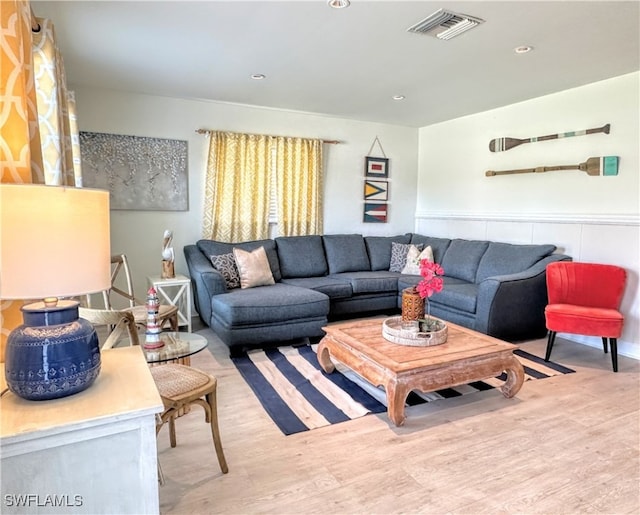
point(466, 356)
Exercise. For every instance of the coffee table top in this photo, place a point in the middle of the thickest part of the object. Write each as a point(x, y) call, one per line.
point(365, 337)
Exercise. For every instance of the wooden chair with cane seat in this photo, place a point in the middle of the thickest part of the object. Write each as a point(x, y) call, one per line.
point(123, 286)
point(180, 386)
point(584, 298)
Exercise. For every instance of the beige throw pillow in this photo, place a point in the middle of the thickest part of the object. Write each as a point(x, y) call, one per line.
point(414, 256)
point(253, 267)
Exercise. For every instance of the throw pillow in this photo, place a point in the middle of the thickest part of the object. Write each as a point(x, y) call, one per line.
point(399, 255)
point(226, 265)
point(414, 256)
point(253, 267)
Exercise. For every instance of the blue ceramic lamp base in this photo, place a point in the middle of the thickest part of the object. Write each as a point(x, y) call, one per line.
point(53, 354)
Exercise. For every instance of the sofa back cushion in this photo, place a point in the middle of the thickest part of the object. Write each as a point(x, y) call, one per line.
point(379, 249)
point(214, 248)
point(438, 245)
point(462, 258)
point(346, 253)
point(301, 256)
point(505, 258)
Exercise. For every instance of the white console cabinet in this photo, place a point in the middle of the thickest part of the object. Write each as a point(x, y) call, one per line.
point(93, 452)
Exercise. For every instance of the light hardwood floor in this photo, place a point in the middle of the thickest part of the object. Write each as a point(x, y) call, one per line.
point(566, 444)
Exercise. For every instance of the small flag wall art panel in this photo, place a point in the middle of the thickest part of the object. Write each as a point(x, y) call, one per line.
point(375, 212)
point(376, 167)
point(376, 190)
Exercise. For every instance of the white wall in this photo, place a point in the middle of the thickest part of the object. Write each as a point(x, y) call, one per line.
point(590, 218)
point(139, 233)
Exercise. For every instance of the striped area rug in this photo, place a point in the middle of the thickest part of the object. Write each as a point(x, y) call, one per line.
point(298, 395)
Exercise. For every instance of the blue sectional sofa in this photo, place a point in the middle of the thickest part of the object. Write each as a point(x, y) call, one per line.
point(495, 288)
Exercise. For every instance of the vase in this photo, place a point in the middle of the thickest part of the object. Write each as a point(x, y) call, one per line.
point(412, 304)
point(53, 354)
point(436, 327)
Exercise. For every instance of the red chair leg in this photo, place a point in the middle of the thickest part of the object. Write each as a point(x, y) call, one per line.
point(550, 341)
point(614, 353)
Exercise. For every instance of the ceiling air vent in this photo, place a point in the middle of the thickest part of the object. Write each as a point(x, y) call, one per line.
point(445, 24)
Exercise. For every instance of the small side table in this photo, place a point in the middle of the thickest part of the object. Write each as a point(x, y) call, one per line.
point(176, 291)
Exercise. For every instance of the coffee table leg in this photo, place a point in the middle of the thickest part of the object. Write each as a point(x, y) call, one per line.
point(396, 395)
point(515, 377)
point(324, 358)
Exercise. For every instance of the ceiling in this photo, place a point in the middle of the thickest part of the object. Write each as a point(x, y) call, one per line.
point(345, 62)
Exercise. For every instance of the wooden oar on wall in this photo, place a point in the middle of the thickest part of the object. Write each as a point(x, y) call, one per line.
point(607, 165)
point(503, 144)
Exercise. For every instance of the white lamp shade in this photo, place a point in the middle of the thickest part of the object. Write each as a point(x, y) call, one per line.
point(54, 241)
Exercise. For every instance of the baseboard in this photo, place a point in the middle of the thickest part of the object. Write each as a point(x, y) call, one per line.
point(624, 348)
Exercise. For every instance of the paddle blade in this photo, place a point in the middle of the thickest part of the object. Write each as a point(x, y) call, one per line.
point(502, 144)
point(607, 165)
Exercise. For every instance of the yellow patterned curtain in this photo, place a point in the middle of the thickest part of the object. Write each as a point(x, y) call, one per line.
point(53, 107)
point(75, 138)
point(237, 187)
point(299, 185)
point(20, 154)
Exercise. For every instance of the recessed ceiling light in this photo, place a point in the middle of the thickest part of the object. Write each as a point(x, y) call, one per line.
point(523, 49)
point(398, 97)
point(258, 76)
point(339, 4)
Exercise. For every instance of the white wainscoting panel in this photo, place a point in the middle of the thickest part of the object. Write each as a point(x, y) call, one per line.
point(611, 239)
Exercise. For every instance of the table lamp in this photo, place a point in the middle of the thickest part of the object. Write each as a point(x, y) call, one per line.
point(54, 243)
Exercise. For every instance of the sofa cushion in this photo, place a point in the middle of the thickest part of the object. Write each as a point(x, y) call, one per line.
point(381, 281)
point(379, 249)
point(226, 265)
point(461, 296)
point(268, 304)
point(438, 245)
point(334, 288)
point(301, 256)
point(505, 258)
point(346, 253)
point(399, 253)
point(253, 267)
point(462, 258)
point(214, 248)
point(414, 257)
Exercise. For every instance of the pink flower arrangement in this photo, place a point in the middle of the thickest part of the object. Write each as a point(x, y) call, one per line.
point(431, 283)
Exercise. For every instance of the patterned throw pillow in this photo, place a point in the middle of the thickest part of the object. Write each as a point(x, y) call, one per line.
point(226, 265)
point(414, 256)
point(399, 255)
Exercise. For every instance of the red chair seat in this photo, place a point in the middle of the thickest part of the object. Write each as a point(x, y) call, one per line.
point(567, 318)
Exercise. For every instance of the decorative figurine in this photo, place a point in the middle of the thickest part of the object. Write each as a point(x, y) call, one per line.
point(168, 256)
point(152, 339)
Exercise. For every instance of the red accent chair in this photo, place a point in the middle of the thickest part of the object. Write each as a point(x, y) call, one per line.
point(584, 298)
